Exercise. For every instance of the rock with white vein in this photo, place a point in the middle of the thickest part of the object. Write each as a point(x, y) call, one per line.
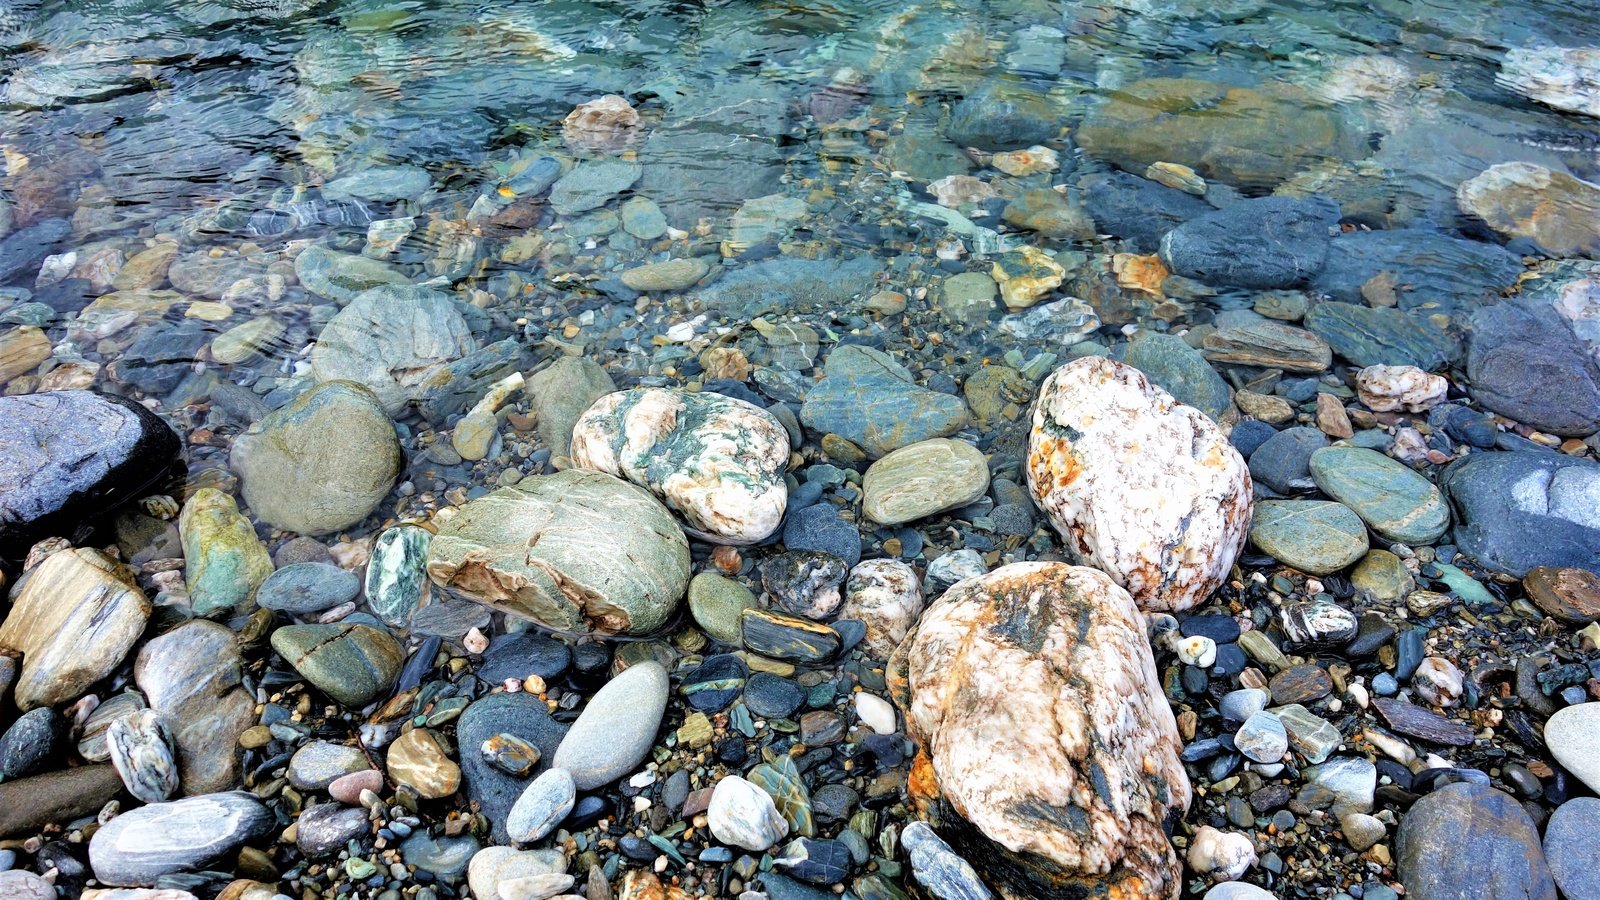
point(1055, 783)
point(715, 461)
point(1141, 486)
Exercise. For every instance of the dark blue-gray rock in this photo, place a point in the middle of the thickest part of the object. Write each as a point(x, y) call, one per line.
point(1368, 336)
point(1522, 509)
point(452, 388)
point(1269, 242)
point(145, 844)
point(1572, 846)
point(716, 683)
point(791, 284)
point(771, 696)
point(1283, 462)
point(36, 741)
point(817, 860)
point(788, 638)
point(1182, 371)
point(1525, 362)
point(1471, 841)
point(307, 588)
point(1422, 268)
point(871, 400)
point(23, 250)
point(1004, 114)
point(159, 357)
point(1248, 436)
point(592, 183)
point(68, 457)
point(1138, 210)
point(820, 527)
point(521, 714)
point(523, 654)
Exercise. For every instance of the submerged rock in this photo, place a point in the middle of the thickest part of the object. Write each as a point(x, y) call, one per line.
point(563, 393)
point(1565, 78)
point(871, 400)
point(1270, 242)
point(1139, 485)
point(320, 464)
point(1022, 739)
point(716, 461)
point(545, 549)
point(390, 339)
point(67, 456)
point(1525, 200)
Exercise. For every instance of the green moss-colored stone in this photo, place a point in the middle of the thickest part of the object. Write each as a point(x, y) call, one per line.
point(716, 604)
point(1314, 536)
point(224, 562)
point(353, 664)
point(1398, 503)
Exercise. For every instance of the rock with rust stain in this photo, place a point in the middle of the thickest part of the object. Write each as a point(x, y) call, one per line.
point(1141, 486)
point(1052, 780)
point(716, 461)
point(576, 551)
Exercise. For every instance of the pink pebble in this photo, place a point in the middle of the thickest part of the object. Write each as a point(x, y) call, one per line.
point(348, 788)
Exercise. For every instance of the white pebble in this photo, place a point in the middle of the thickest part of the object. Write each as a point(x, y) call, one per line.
point(875, 712)
point(1198, 651)
point(1220, 855)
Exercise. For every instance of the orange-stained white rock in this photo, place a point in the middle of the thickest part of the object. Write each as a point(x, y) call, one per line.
point(1391, 388)
point(1034, 697)
point(886, 595)
point(1140, 486)
point(715, 461)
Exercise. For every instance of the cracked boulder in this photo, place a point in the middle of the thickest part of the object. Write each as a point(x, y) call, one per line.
point(715, 461)
point(1140, 486)
point(1050, 757)
point(576, 551)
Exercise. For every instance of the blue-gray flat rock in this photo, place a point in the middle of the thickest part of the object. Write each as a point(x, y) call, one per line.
point(616, 729)
point(142, 845)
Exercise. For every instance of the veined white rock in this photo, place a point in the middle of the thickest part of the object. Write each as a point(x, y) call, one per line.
point(1141, 486)
point(887, 597)
point(1035, 698)
point(715, 461)
point(1390, 388)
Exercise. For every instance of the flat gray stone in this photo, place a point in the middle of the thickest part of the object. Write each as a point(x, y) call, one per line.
point(144, 844)
point(615, 731)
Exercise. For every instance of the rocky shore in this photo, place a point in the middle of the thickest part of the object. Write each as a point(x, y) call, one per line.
point(1150, 492)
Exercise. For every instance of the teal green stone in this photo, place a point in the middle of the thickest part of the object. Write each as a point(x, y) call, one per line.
point(397, 576)
point(1314, 536)
point(1465, 586)
point(781, 780)
point(1181, 371)
point(1398, 503)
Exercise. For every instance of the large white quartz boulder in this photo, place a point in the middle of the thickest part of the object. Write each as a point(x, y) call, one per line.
point(1140, 486)
point(1048, 748)
point(715, 461)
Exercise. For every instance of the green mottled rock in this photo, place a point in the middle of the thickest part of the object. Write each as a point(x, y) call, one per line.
point(224, 562)
point(1382, 576)
point(575, 551)
point(341, 276)
point(1183, 372)
point(869, 399)
point(716, 604)
point(968, 298)
point(353, 664)
point(397, 573)
point(321, 463)
point(924, 479)
point(243, 341)
point(1050, 214)
point(1398, 503)
point(781, 779)
point(391, 339)
point(562, 393)
point(1315, 536)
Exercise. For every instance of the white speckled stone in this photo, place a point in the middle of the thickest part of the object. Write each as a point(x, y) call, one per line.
point(1392, 388)
point(742, 814)
point(1073, 775)
point(887, 597)
point(715, 461)
point(1142, 487)
point(1220, 855)
point(493, 866)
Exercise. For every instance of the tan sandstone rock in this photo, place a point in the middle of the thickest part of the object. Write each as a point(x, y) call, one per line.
point(1139, 485)
point(1049, 755)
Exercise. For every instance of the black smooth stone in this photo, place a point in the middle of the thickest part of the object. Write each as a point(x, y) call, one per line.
point(637, 848)
point(769, 696)
point(419, 665)
point(1205, 748)
point(1424, 724)
point(521, 714)
point(851, 632)
point(520, 655)
point(1372, 632)
point(1221, 767)
point(788, 638)
point(36, 740)
point(591, 658)
point(1408, 653)
point(1429, 780)
point(67, 457)
point(585, 813)
point(715, 683)
point(819, 861)
point(888, 749)
point(1219, 627)
point(1194, 680)
point(782, 887)
point(1401, 776)
point(1230, 661)
point(732, 751)
point(834, 802)
point(1269, 798)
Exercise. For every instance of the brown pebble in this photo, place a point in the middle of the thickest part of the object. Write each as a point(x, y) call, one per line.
point(1571, 595)
point(347, 788)
point(1300, 684)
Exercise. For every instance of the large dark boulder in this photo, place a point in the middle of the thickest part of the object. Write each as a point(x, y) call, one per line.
point(67, 457)
point(1470, 840)
point(1523, 509)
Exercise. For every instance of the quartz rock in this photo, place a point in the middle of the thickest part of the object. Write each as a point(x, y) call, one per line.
point(605, 124)
point(1138, 485)
point(1525, 200)
point(397, 573)
point(142, 845)
point(420, 759)
point(886, 596)
point(141, 751)
point(1220, 855)
point(545, 549)
point(937, 867)
point(1022, 738)
point(1565, 78)
point(192, 676)
point(715, 461)
point(1394, 388)
point(743, 815)
point(74, 619)
point(492, 867)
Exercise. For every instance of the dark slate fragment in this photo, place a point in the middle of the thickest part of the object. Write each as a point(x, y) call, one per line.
point(1469, 840)
point(1138, 210)
point(520, 714)
point(1517, 510)
point(1425, 267)
point(1525, 362)
point(1368, 336)
point(1425, 725)
point(787, 637)
point(1268, 242)
point(520, 655)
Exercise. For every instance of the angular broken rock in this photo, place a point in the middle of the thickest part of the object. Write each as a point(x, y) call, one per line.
point(576, 551)
point(716, 461)
point(1139, 485)
point(1053, 782)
